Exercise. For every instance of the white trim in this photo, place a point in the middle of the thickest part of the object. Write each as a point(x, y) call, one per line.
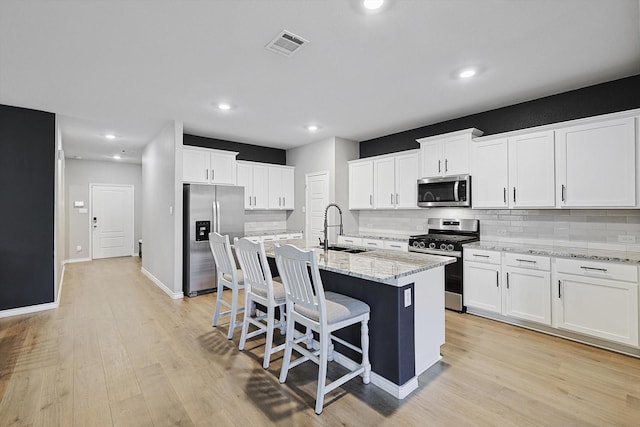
point(158, 283)
point(72, 260)
point(29, 309)
point(397, 391)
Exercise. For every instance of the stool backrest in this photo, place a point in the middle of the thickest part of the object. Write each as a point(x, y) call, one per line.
point(254, 265)
point(300, 276)
point(221, 250)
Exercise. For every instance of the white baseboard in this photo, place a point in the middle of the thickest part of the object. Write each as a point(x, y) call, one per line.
point(29, 309)
point(398, 391)
point(154, 279)
point(72, 260)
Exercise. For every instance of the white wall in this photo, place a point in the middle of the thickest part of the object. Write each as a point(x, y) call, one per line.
point(162, 209)
point(345, 150)
point(79, 174)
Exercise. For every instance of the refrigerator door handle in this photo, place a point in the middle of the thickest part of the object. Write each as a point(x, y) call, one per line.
point(214, 217)
point(217, 216)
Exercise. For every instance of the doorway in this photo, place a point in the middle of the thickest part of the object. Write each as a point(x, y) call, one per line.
point(316, 199)
point(111, 220)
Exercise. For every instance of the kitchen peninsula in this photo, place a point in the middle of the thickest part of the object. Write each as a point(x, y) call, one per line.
point(406, 294)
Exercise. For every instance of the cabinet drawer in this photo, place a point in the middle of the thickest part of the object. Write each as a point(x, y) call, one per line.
point(372, 243)
point(604, 270)
point(396, 246)
point(346, 240)
point(295, 236)
point(534, 262)
point(476, 255)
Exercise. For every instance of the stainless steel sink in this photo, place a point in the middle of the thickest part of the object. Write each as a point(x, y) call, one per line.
point(346, 250)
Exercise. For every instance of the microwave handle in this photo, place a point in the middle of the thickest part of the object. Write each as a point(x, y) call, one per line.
point(455, 191)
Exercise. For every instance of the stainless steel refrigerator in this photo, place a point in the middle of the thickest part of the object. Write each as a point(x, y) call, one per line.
point(207, 208)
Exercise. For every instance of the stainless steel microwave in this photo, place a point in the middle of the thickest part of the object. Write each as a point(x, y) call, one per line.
point(447, 191)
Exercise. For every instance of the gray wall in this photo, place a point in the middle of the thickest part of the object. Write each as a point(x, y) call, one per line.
point(78, 175)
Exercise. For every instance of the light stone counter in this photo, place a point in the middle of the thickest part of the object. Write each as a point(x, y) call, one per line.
point(381, 236)
point(558, 251)
point(377, 265)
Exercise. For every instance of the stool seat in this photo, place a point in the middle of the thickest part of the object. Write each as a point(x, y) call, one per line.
point(339, 307)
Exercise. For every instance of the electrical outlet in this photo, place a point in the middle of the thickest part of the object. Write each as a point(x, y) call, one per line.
point(626, 238)
point(407, 297)
point(501, 232)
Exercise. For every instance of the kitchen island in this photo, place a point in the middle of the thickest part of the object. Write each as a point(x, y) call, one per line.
point(405, 292)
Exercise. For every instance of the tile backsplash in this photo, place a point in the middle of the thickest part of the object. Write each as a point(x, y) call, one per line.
point(611, 229)
point(260, 221)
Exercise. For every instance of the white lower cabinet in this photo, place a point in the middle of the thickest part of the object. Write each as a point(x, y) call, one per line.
point(528, 295)
point(481, 272)
point(597, 299)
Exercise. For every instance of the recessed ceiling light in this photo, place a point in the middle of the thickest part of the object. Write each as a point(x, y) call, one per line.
point(312, 128)
point(372, 4)
point(117, 157)
point(467, 73)
point(110, 136)
point(224, 106)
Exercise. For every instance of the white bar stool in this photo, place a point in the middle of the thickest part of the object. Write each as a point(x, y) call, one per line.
point(228, 277)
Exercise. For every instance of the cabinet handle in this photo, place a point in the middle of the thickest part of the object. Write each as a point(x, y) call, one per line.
point(395, 246)
point(526, 260)
point(559, 292)
point(283, 201)
point(249, 200)
point(206, 174)
point(391, 198)
point(497, 279)
point(396, 198)
point(213, 175)
point(371, 199)
point(593, 268)
point(514, 194)
point(562, 192)
point(254, 201)
point(439, 162)
point(481, 256)
point(446, 165)
point(504, 194)
point(507, 280)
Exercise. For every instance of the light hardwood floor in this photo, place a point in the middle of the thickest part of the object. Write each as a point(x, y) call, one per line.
point(118, 351)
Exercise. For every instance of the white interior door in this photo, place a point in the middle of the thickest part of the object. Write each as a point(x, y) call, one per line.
point(317, 199)
point(111, 220)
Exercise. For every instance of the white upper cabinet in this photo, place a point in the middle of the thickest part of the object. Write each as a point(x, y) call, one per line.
point(489, 180)
point(202, 165)
point(532, 170)
point(447, 154)
point(281, 187)
point(596, 164)
point(384, 182)
point(361, 184)
point(254, 178)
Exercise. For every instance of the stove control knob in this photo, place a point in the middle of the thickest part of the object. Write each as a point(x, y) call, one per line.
point(443, 246)
point(449, 247)
point(421, 245)
point(432, 245)
point(415, 244)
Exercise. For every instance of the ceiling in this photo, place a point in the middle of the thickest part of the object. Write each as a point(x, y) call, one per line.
point(131, 67)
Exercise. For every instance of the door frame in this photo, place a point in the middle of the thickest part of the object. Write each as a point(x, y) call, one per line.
point(133, 213)
point(307, 213)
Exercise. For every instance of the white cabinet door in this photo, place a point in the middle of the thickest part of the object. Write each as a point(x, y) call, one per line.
point(432, 154)
point(195, 165)
point(384, 183)
point(532, 170)
point(456, 155)
point(260, 187)
point(288, 188)
point(528, 295)
point(489, 179)
point(601, 308)
point(244, 178)
point(482, 286)
point(223, 168)
point(596, 164)
point(361, 185)
point(406, 178)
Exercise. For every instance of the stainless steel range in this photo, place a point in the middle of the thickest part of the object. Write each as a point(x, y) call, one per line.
point(446, 237)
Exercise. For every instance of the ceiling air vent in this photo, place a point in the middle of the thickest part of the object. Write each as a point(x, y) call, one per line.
point(286, 43)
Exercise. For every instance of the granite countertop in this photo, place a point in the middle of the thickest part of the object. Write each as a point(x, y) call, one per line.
point(626, 257)
point(376, 265)
point(271, 232)
point(382, 236)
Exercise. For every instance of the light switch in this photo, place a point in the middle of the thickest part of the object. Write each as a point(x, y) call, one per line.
point(407, 297)
point(78, 204)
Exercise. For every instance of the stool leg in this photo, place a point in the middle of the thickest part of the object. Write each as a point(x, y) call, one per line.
point(364, 339)
point(269, 341)
point(322, 370)
point(234, 312)
point(245, 321)
point(216, 315)
point(288, 346)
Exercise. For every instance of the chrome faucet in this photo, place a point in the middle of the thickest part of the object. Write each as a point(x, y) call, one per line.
point(326, 224)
